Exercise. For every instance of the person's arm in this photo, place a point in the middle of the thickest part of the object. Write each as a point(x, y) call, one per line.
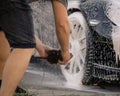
point(39, 47)
point(62, 29)
point(42, 48)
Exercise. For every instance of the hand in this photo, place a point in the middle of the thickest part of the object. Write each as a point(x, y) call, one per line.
point(45, 50)
point(66, 56)
point(53, 56)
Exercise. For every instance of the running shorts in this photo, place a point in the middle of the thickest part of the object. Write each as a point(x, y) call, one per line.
point(17, 23)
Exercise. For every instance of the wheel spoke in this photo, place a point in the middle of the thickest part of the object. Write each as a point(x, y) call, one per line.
point(75, 68)
point(78, 64)
point(71, 66)
point(81, 56)
point(81, 39)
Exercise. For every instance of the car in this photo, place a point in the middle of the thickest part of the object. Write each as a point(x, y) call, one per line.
point(94, 31)
point(94, 41)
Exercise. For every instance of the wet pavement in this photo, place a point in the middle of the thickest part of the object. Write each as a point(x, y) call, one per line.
point(61, 92)
point(48, 80)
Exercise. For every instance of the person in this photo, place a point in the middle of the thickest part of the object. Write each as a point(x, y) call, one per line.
point(17, 33)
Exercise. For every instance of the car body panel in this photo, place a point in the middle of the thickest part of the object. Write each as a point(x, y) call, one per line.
point(96, 10)
point(101, 63)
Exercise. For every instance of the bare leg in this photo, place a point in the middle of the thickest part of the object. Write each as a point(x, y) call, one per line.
point(15, 67)
point(4, 51)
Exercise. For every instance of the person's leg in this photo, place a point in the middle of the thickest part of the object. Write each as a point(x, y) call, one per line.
point(4, 51)
point(14, 69)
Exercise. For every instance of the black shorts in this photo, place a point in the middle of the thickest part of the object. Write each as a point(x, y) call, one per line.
point(17, 25)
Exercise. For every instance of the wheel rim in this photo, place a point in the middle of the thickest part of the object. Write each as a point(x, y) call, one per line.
point(73, 71)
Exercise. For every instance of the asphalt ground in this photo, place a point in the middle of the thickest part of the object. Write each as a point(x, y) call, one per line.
point(45, 80)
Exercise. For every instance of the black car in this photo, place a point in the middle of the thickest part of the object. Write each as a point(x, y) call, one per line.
point(95, 39)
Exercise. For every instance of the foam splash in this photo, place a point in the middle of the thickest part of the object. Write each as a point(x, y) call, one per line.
point(113, 13)
point(74, 74)
point(116, 42)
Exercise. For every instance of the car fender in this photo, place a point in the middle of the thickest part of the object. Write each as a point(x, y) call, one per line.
point(93, 10)
point(73, 4)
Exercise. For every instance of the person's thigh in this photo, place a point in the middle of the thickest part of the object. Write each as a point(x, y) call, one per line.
point(4, 51)
point(4, 46)
point(18, 27)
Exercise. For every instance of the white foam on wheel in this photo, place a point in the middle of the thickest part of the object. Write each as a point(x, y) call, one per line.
point(116, 42)
point(74, 71)
point(113, 13)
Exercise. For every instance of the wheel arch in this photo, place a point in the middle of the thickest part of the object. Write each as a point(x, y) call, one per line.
point(73, 6)
point(72, 10)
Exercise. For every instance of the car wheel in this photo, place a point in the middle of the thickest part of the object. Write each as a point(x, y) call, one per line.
point(74, 70)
